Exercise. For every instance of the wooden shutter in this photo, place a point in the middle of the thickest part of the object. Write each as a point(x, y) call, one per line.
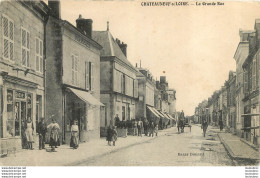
point(135, 88)
point(73, 61)
point(245, 81)
point(41, 56)
point(37, 54)
point(92, 76)
point(11, 40)
point(254, 75)
point(86, 75)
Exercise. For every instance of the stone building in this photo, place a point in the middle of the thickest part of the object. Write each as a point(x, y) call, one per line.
point(119, 86)
point(231, 104)
point(22, 70)
point(251, 68)
point(73, 75)
point(240, 57)
point(146, 86)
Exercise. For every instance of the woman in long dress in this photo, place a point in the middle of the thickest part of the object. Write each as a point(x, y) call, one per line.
point(114, 135)
point(74, 143)
point(54, 135)
point(29, 133)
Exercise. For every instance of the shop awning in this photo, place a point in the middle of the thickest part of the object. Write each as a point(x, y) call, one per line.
point(159, 113)
point(153, 111)
point(252, 114)
point(167, 116)
point(87, 97)
point(170, 116)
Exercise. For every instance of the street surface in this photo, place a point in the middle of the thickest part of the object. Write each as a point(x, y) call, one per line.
point(170, 149)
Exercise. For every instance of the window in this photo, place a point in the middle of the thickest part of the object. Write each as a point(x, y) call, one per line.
point(245, 81)
point(254, 75)
point(8, 38)
point(25, 47)
point(86, 75)
point(74, 69)
point(91, 76)
point(123, 83)
point(39, 55)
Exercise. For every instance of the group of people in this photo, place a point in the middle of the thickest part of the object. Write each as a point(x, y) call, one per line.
point(150, 128)
point(52, 130)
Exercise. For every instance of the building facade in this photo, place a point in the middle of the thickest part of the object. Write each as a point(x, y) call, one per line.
point(251, 68)
point(73, 76)
point(21, 68)
point(240, 57)
point(231, 104)
point(119, 86)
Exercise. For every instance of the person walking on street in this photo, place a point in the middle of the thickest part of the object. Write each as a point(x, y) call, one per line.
point(140, 127)
point(151, 129)
point(221, 125)
point(42, 132)
point(156, 130)
point(74, 142)
point(114, 135)
point(109, 135)
point(146, 124)
point(54, 135)
point(29, 133)
point(204, 126)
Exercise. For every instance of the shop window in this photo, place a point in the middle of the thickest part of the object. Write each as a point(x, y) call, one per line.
point(25, 47)
point(10, 118)
point(29, 106)
point(8, 37)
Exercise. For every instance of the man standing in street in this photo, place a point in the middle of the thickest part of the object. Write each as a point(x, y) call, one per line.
point(140, 127)
point(42, 133)
point(204, 126)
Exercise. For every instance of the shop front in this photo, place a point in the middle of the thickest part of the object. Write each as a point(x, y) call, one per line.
point(19, 100)
point(85, 109)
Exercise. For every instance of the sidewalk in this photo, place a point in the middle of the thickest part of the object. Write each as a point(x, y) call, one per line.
point(65, 156)
point(236, 148)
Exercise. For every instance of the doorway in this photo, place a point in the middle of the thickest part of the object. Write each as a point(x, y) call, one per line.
point(123, 113)
point(20, 121)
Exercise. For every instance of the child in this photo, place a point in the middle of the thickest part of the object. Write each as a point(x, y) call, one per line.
point(114, 135)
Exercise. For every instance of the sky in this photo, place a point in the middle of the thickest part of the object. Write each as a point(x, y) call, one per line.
point(194, 45)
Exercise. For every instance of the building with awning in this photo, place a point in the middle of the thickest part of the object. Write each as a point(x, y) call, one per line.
point(72, 76)
point(152, 115)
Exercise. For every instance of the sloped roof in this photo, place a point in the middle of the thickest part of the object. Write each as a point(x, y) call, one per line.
point(110, 46)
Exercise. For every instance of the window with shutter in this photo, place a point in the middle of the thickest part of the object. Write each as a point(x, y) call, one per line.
point(73, 69)
point(92, 76)
point(86, 75)
point(245, 81)
point(8, 38)
point(25, 47)
point(254, 75)
point(39, 55)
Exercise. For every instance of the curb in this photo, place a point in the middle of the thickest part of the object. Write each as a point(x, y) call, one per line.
point(252, 146)
point(109, 152)
point(231, 154)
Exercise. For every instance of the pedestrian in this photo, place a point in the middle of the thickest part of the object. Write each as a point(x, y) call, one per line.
point(54, 134)
point(140, 127)
point(29, 133)
point(114, 135)
point(109, 135)
point(220, 125)
point(74, 141)
point(146, 124)
point(135, 127)
point(42, 129)
point(151, 129)
point(24, 139)
point(156, 130)
point(204, 126)
point(117, 120)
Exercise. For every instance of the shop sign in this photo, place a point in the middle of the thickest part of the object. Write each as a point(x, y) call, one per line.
point(20, 95)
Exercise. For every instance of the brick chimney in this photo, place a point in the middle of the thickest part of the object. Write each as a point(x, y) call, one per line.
point(54, 5)
point(85, 26)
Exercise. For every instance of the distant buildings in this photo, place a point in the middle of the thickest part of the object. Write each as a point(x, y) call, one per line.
point(237, 103)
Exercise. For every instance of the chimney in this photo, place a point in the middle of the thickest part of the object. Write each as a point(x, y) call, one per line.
point(122, 46)
point(54, 5)
point(136, 65)
point(162, 79)
point(85, 26)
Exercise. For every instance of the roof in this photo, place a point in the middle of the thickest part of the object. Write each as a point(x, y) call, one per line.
point(110, 46)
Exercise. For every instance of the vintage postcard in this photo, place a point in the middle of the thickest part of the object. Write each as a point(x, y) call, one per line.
point(129, 83)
